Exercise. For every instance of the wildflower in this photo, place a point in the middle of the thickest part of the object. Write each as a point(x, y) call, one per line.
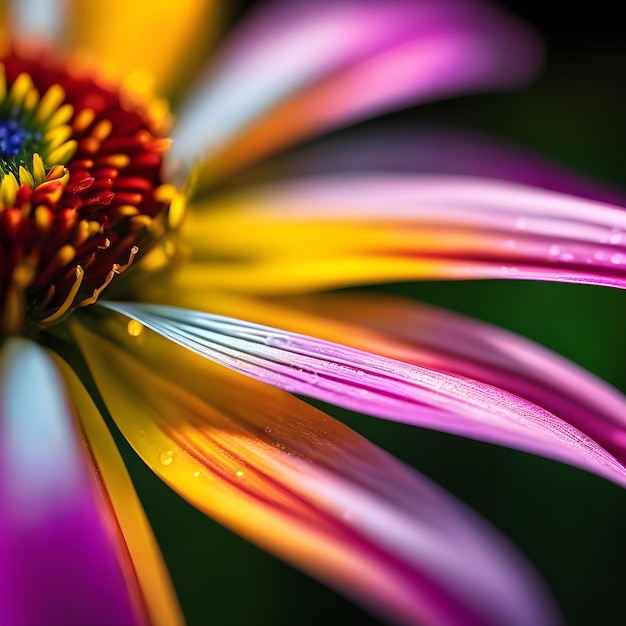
point(134, 295)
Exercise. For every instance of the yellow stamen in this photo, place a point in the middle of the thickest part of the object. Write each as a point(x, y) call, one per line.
point(69, 299)
point(115, 270)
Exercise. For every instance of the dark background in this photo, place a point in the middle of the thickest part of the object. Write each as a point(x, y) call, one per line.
point(569, 523)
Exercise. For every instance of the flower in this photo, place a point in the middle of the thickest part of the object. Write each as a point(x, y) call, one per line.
point(121, 306)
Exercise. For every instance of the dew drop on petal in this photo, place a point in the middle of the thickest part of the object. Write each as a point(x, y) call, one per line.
point(134, 328)
point(554, 251)
point(521, 223)
point(615, 236)
point(166, 457)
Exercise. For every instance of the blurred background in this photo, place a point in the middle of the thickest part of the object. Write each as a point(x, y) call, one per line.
point(569, 524)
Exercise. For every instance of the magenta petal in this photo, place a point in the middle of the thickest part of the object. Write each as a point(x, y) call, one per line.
point(346, 60)
point(377, 385)
point(61, 563)
point(309, 489)
point(431, 226)
point(433, 149)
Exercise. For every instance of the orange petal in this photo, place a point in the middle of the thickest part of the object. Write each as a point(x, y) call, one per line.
point(152, 575)
point(302, 485)
point(164, 39)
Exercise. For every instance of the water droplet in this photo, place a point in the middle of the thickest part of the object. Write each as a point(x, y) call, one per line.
point(615, 236)
point(134, 328)
point(167, 457)
point(196, 474)
point(554, 251)
point(618, 259)
point(360, 373)
point(567, 256)
point(278, 341)
point(521, 223)
point(267, 429)
point(239, 473)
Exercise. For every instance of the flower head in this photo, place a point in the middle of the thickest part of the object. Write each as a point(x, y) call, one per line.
point(120, 307)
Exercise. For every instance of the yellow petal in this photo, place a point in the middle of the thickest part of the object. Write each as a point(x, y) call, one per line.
point(283, 474)
point(163, 39)
point(148, 564)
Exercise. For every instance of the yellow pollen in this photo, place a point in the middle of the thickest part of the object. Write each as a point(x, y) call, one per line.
point(83, 119)
point(119, 161)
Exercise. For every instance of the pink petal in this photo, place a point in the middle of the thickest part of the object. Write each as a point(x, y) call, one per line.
point(384, 227)
point(448, 342)
point(432, 149)
point(294, 69)
point(306, 487)
point(62, 561)
point(377, 385)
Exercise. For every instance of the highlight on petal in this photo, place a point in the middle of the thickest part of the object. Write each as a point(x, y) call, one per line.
point(39, 18)
point(294, 69)
point(62, 562)
point(438, 339)
point(148, 565)
point(161, 40)
point(309, 489)
point(331, 231)
point(377, 385)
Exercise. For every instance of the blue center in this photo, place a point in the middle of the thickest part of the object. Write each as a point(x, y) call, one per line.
point(15, 139)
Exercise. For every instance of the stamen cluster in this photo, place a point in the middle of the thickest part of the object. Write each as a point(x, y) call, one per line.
point(80, 187)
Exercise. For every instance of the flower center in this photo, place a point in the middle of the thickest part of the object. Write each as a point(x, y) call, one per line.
point(80, 189)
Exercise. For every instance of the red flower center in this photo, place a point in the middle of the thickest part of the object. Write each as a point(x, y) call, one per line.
point(80, 188)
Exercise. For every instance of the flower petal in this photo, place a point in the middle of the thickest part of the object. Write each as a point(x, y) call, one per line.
point(148, 565)
point(164, 39)
point(438, 339)
point(333, 231)
point(302, 485)
point(430, 149)
point(376, 385)
point(294, 69)
point(39, 18)
point(62, 561)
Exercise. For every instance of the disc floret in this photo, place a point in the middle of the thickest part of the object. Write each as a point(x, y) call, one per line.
point(80, 188)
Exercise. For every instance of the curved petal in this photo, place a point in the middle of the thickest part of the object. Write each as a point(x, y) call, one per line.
point(331, 231)
point(438, 339)
point(62, 561)
point(148, 565)
point(376, 385)
point(295, 481)
point(294, 69)
point(162, 39)
point(430, 149)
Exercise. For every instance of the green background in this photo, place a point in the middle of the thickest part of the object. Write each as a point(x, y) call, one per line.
point(569, 523)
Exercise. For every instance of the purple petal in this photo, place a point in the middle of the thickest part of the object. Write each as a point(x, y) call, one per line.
point(433, 149)
point(307, 488)
point(442, 340)
point(377, 385)
point(61, 558)
point(372, 227)
point(312, 66)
